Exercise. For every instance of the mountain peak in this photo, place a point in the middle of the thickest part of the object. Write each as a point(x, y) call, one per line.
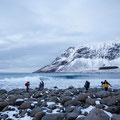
point(86, 57)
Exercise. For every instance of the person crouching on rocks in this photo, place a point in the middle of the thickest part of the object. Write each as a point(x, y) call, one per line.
point(106, 84)
point(27, 84)
point(87, 85)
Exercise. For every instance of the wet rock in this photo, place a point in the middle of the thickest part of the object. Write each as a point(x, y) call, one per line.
point(115, 109)
point(35, 111)
point(109, 101)
point(74, 91)
point(71, 116)
point(90, 101)
point(82, 97)
point(97, 114)
point(11, 100)
point(115, 117)
point(69, 108)
point(25, 105)
point(52, 106)
point(73, 102)
point(53, 117)
point(77, 110)
point(37, 95)
point(64, 99)
point(102, 94)
point(3, 105)
point(100, 106)
point(54, 99)
point(68, 93)
point(39, 115)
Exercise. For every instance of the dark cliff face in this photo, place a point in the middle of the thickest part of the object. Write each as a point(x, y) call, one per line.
point(107, 52)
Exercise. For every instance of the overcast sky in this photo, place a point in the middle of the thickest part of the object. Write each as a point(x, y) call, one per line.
point(34, 32)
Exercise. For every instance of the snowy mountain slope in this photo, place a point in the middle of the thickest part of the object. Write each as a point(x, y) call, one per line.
point(88, 57)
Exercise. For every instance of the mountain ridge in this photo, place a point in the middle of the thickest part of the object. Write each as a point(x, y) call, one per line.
point(85, 57)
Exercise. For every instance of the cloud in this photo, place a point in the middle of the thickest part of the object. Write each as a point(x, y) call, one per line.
point(33, 33)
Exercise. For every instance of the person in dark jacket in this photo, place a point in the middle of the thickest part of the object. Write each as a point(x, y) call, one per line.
point(87, 85)
point(106, 84)
point(42, 84)
point(27, 84)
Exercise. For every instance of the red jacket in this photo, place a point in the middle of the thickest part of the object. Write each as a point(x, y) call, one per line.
point(27, 84)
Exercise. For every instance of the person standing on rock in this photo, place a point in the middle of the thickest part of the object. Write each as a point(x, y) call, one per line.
point(87, 85)
point(42, 84)
point(106, 84)
point(27, 84)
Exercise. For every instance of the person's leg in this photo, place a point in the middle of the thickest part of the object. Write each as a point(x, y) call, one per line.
point(27, 89)
point(106, 88)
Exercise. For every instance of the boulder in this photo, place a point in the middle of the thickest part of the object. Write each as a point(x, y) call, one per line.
point(114, 109)
point(64, 99)
point(71, 116)
point(39, 115)
point(11, 100)
point(68, 93)
point(54, 99)
point(37, 95)
point(69, 108)
point(109, 101)
point(3, 105)
point(97, 114)
point(73, 102)
point(59, 116)
point(18, 102)
point(90, 101)
point(115, 117)
point(35, 111)
point(25, 105)
point(74, 91)
point(100, 106)
point(102, 94)
point(52, 106)
point(83, 97)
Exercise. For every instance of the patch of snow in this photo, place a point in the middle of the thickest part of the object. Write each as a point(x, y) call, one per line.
point(108, 113)
point(50, 103)
point(106, 107)
point(87, 109)
point(42, 100)
point(79, 116)
point(19, 100)
point(16, 111)
point(55, 110)
point(97, 102)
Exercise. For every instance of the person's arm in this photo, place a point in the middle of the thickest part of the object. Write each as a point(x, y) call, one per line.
point(109, 84)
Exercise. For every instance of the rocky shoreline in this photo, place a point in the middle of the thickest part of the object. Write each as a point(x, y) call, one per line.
point(60, 104)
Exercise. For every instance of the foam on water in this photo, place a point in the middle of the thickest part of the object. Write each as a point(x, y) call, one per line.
point(59, 80)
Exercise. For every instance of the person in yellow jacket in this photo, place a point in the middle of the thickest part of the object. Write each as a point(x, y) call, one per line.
point(106, 84)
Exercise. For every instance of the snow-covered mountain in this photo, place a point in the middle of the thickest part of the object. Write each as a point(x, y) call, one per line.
point(86, 57)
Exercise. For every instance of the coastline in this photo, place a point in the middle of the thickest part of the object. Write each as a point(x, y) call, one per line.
point(59, 104)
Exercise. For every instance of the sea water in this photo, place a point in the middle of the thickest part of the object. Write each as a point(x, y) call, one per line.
point(10, 81)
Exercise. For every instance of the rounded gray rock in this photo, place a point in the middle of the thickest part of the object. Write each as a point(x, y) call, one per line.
point(97, 114)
